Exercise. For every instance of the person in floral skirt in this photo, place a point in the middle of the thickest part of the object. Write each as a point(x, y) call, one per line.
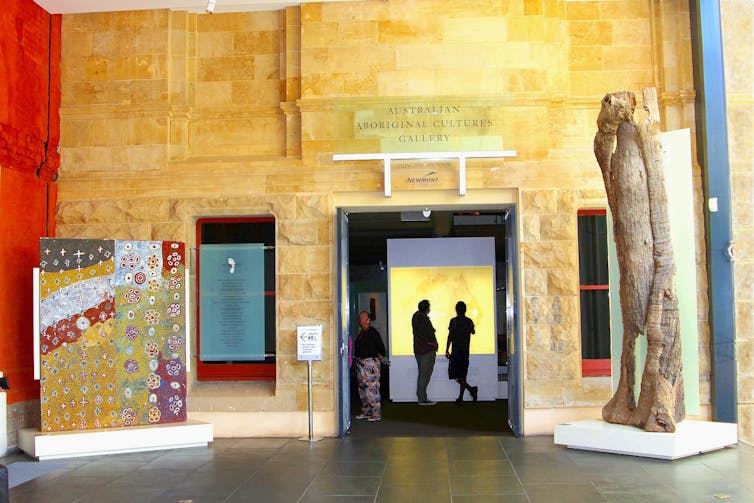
point(369, 350)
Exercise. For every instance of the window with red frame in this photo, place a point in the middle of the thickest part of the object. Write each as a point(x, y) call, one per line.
point(227, 230)
point(594, 286)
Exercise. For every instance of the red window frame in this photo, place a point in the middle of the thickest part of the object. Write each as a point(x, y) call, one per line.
point(252, 371)
point(596, 367)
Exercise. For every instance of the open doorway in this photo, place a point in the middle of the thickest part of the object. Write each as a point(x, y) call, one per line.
point(363, 238)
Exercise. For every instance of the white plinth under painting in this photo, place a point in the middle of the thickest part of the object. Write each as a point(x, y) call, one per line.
point(112, 333)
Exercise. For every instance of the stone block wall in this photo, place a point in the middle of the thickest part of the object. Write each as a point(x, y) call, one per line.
point(21, 415)
point(169, 116)
point(738, 32)
point(550, 304)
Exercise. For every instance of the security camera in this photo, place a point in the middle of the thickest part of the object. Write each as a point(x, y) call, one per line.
point(211, 6)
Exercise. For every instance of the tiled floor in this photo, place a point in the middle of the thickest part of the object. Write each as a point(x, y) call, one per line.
point(476, 469)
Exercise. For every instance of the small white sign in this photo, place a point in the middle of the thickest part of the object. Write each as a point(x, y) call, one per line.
point(309, 342)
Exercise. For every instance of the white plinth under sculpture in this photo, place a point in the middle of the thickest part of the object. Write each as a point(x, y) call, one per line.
point(689, 439)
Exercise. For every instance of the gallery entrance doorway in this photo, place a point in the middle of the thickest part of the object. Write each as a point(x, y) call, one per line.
point(364, 266)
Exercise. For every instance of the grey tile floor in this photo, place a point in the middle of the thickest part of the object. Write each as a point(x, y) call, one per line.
point(475, 469)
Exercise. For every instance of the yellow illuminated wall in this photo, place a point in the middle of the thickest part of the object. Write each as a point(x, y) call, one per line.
point(443, 287)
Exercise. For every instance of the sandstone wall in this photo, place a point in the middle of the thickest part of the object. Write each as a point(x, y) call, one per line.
point(738, 40)
point(169, 116)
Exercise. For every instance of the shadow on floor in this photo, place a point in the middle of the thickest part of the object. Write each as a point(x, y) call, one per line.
point(445, 419)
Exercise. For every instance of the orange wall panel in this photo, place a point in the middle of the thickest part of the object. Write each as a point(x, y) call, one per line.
point(23, 208)
point(29, 138)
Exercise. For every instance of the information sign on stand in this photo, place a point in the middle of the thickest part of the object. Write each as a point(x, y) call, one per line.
point(309, 348)
point(309, 342)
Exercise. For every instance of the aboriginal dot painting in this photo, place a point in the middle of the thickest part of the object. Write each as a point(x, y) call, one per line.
point(112, 333)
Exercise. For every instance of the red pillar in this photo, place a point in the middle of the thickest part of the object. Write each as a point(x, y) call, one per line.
point(29, 138)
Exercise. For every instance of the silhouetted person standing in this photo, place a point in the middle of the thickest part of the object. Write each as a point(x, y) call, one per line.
point(459, 336)
point(425, 350)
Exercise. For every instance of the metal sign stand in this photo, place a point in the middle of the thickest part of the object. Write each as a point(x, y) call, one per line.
point(310, 438)
point(309, 342)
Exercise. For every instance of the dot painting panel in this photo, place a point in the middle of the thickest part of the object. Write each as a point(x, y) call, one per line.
point(112, 333)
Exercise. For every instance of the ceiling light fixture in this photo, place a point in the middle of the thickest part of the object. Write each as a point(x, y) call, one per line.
point(426, 212)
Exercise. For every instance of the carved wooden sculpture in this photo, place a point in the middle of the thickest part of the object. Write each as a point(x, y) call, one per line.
point(630, 157)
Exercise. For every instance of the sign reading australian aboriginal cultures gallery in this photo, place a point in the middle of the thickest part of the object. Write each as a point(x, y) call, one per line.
point(428, 127)
point(428, 139)
point(422, 129)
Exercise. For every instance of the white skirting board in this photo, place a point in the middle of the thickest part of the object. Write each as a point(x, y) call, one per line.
point(3, 424)
point(690, 438)
point(73, 444)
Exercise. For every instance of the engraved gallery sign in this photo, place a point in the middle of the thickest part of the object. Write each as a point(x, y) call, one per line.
point(429, 139)
point(419, 125)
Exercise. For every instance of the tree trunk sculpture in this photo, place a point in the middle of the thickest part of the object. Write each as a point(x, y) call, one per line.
point(630, 157)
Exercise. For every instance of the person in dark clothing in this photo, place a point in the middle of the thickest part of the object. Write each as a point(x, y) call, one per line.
point(459, 337)
point(369, 350)
point(425, 350)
